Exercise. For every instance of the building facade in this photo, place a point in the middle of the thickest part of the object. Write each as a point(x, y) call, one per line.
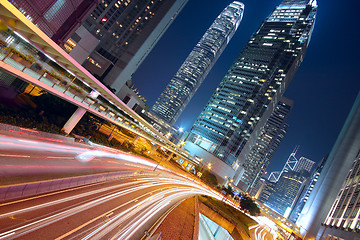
point(304, 164)
point(306, 191)
point(336, 169)
point(197, 65)
point(266, 191)
point(126, 31)
point(343, 220)
point(233, 118)
point(285, 192)
point(57, 19)
point(266, 144)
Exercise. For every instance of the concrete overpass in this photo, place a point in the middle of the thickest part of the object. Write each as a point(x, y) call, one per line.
point(107, 106)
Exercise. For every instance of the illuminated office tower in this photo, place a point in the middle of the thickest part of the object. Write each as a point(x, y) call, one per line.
point(343, 220)
point(56, 18)
point(266, 144)
point(118, 35)
point(233, 118)
point(285, 191)
point(306, 191)
point(197, 65)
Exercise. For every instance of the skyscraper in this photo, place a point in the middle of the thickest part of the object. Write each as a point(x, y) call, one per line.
point(266, 191)
point(289, 184)
point(247, 95)
point(285, 191)
point(266, 144)
point(57, 19)
point(343, 220)
point(304, 196)
point(338, 166)
point(304, 164)
point(197, 65)
point(122, 33)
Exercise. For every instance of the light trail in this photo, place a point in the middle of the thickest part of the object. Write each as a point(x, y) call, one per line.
point(30, 227)
point(140, 201)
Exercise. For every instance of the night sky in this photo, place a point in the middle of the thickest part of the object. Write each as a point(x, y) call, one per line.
point(324, 88)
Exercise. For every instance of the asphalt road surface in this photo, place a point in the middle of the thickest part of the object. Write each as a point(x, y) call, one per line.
point(129, 208)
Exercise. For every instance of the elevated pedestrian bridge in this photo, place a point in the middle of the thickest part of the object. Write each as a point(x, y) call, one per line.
point(30, 55)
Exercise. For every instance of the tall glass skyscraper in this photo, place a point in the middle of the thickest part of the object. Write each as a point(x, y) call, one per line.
point(118, 35)
point(197, 65)
point(266, 144)
point(247, 95)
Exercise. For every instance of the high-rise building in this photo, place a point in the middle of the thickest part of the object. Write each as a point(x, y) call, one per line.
point(304, 164)
point(235, 114)
point(266, 191)
point(338, 166)
point(197, 65)
point(306, 191)
point(266, 144)
point(343, 220)
point(118, 35)
point(285, 191)
point(57, 19)
point(292, 180)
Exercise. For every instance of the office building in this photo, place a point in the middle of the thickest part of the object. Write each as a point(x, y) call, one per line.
point(233, 118)
point(336, 169)
point(304, 164)
point(285, 192)
point(290, 184)
point(118, 35)
point(266, 191)
point(57, 19)
point(197, 65)
point(266, 144)
point(343, 220)
point(306, 191)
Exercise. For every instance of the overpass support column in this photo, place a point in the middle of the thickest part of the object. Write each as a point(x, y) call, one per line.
point(154, 148)
point(73, 120)
point(170, 156)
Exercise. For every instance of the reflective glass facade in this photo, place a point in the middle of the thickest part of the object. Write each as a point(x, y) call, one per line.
point(266, 144)
point(127, 30)
point(56, 18)
point(285, 191)
point(197, 65)
point(256, 80)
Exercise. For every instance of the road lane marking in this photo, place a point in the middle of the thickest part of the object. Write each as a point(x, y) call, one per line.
point(8, 235)
point(13, 155)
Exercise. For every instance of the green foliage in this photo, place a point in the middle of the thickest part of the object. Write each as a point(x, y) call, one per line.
point(248, 204)
point(209, 178)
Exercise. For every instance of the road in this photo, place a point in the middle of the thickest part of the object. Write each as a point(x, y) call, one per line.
point(122, 209)
point(25, 159)
point(114, 210)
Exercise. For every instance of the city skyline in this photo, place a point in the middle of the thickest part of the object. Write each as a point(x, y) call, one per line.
point(52, 106)
point(230, 123)
point(309, 81)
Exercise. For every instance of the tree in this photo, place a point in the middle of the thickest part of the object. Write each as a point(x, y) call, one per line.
point(248, 204)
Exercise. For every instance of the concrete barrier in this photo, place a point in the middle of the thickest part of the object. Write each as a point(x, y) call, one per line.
point(30, 189)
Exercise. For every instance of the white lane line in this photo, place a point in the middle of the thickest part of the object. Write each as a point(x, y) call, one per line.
point(13, 155)
point(8, 235)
